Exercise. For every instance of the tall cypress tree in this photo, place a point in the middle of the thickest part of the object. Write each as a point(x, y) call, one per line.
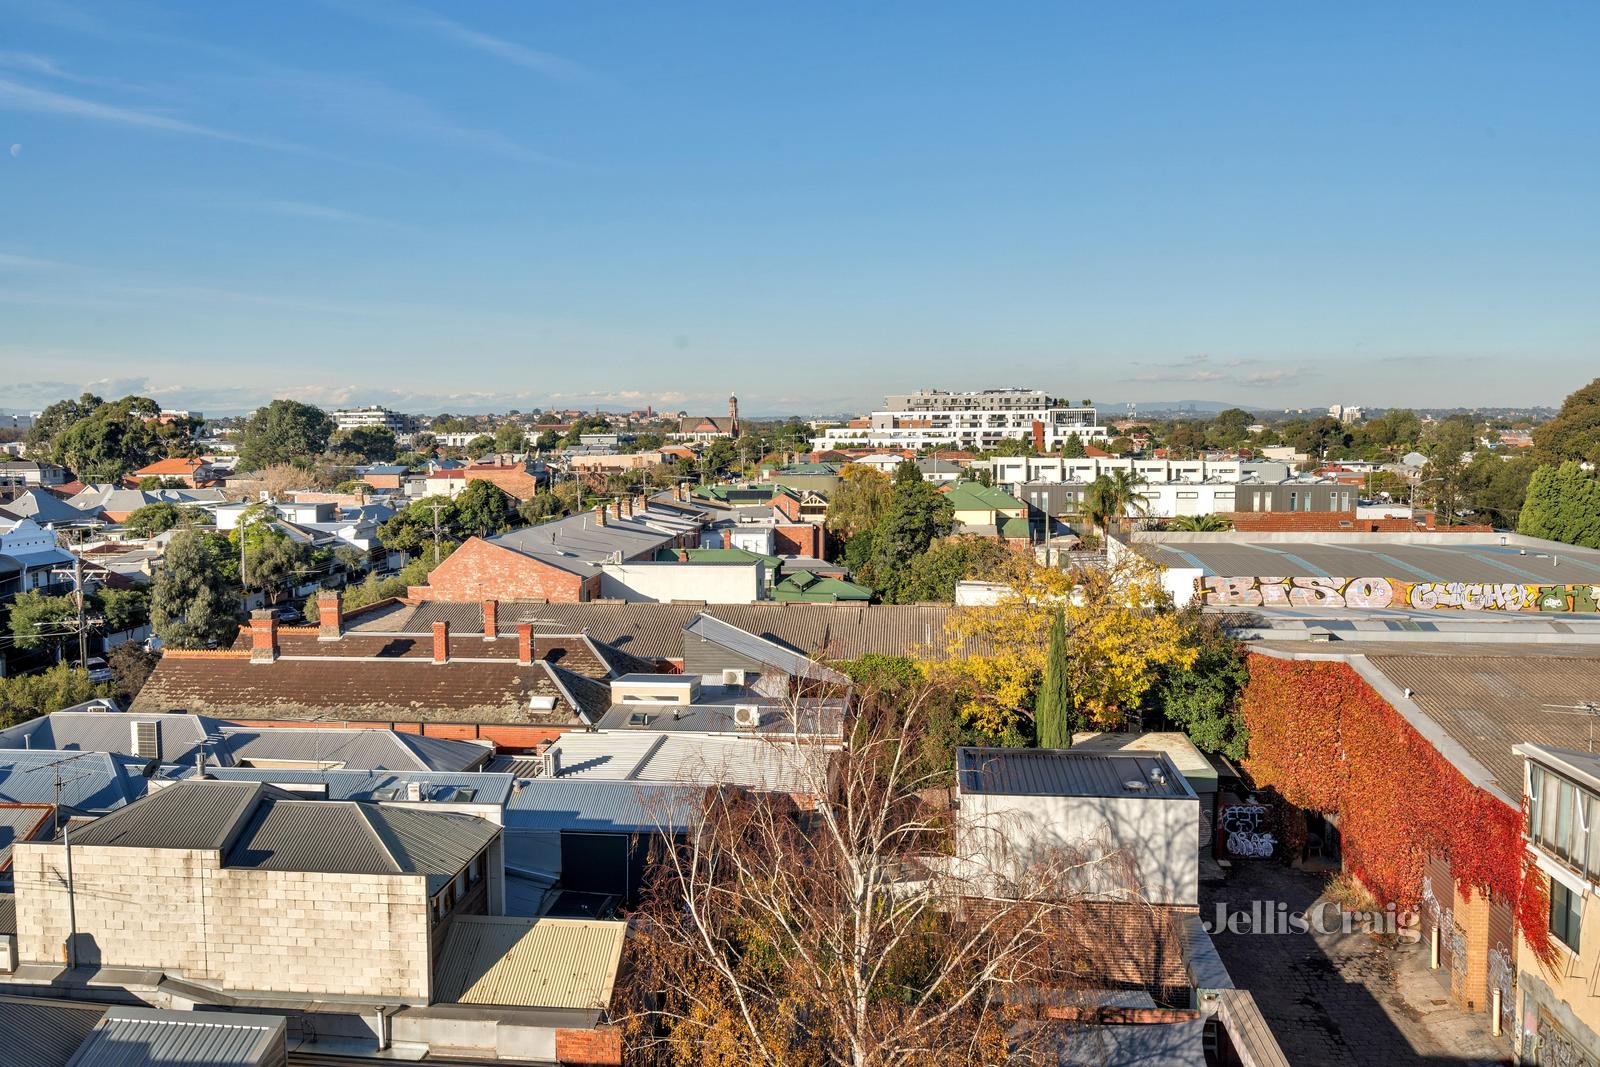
point(1053, 713)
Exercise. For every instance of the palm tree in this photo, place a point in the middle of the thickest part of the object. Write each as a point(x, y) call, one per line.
point(1113, 496)
point(1200, 523)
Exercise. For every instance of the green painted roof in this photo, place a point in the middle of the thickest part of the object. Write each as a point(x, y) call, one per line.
point(811, 587)
point(975, 496)
point(1013, 527)
point(719, 555)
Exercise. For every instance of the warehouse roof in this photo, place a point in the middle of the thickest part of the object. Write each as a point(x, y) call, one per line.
point(609, 807)
point(1419, 557)
point(1481, 698)
point(692, 759)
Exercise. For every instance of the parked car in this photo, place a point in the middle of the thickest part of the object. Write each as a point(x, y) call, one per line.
point(289, 616)
point(99, 670)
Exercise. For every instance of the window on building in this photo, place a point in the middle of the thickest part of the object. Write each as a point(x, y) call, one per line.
point(1566, 914)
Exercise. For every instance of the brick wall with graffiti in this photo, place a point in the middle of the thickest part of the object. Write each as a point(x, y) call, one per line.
point(1375, 593)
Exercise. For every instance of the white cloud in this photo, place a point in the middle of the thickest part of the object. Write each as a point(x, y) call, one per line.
point(16, 96)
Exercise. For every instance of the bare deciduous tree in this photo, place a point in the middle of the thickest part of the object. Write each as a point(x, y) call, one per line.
point(842, 926)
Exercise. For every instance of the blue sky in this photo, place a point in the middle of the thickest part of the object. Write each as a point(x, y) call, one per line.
point(469, 205)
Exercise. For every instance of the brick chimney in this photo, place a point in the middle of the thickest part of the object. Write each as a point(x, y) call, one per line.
point(525, 643)
point(441, 642)
point(625, 507)
point(600, 514)
point(263, 635)
point(330, 615)
point(616, 510)
point(491, 619)
point(727, 538)
point(683, 555)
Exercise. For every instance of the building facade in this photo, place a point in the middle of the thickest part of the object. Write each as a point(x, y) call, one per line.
point(974, 420)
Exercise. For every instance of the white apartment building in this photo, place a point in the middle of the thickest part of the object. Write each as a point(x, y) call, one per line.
point(1013, 472)
point(976, 420)
point(356, 418)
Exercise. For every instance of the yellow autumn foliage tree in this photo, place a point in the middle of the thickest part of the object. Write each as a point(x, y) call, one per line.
point(1121, 634)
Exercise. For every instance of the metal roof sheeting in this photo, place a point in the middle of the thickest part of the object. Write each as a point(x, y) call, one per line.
point(1067, 772)
point(92, 781)
point(44, 1033)
point(614, 807)
point(146, 1037)
point(185, 815)
point(537, 963)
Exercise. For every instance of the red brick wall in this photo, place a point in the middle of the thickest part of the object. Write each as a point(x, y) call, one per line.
point(478, 571)
point(515, 481)
point(504, 737)
point(802, 539)
point(600, 1047)
point(788, 505)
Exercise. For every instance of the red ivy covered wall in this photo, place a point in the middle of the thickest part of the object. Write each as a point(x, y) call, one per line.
point(1328, 742)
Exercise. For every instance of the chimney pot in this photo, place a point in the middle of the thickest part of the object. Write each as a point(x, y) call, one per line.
point(330, 615)
point(441, 642)
point(600, 514)
point(263, 636)
point(525, 643)
point(491, 619)
point(727, 538)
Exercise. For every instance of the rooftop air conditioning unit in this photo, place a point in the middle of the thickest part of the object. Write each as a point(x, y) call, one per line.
point(146, 738)
point(549, 763)
point(746, 716)
point(414, 791)
point(732, 677)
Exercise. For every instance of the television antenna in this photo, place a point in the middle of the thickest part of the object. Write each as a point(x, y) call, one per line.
point(1589, 709)
point(65, 829)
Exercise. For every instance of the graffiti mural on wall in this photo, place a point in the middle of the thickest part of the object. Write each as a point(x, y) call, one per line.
point(1373, 593)
point(1246, 827)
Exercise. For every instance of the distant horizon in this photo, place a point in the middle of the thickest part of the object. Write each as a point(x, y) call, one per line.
point(478, 405)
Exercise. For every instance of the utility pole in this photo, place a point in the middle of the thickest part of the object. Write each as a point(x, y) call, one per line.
point(83, 631)
point(436, 507)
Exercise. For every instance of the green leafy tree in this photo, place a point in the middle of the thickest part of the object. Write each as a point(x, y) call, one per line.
point(859, 502)
point(917, 516)
point(55, 419)
point(1574, 434)
point(1110, 498)
point(272, 560)
point(1324, 436)
point(28, 696)
point(111, 441)
point(548, 441)
point(410, 529)
point(509, 437)
point(482, 508)
point(1072, 447)
point(481, 445)
point(195, 595)
point(1202, 698)
point(1229, 428)
point(374, 444)
point(282, 432)
point(1563, 504)
point(1447, 443)
point(152, 519)
point(1497, 484)
point(40, 621)
point(1054, 713)
point(932, 576)
point(125, 609)
point(540, 507)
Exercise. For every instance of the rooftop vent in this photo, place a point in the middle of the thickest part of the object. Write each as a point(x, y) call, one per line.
point(146, 738)
point(1134, 785)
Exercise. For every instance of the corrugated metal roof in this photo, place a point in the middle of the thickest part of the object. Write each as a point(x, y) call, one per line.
point(691, 759)
point(181, 736)
point(93, 781)
point(8, 913)
point(147, 1037)
point(1464, 558)
point(616, 807)
point(466, 787)
point(1067, 772)
point(185, 815)
point(761, 650)
point(539, 963)
point(44, 1033)
point(312, 835)
point(359, 749)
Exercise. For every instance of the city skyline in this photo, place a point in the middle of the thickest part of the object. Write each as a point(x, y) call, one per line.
point(488, 207)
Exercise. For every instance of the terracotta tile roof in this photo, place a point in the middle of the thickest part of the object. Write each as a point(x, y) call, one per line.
point(345, 688)
point(169, 467)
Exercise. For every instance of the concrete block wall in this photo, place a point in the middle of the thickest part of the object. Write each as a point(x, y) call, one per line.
point(181, 912)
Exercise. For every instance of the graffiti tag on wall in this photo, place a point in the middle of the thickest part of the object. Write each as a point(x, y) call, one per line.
point(1375, 593)
point(1246, 827)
